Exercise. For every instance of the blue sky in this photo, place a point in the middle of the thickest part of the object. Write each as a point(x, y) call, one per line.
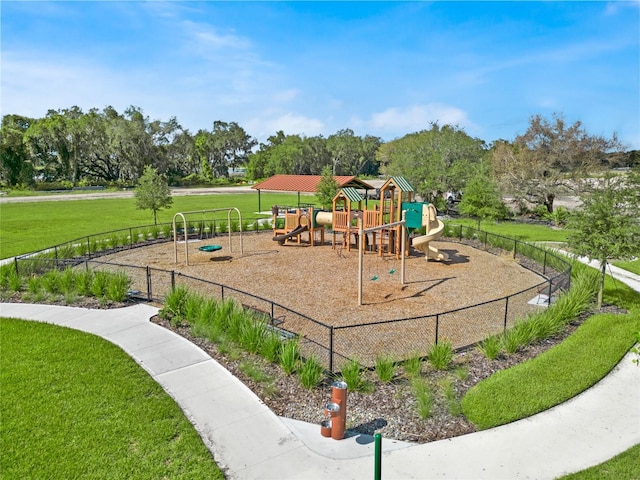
point(313, 68)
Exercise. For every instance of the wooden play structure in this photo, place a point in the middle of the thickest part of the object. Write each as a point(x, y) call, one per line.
point(384, 228)
point(185, 231)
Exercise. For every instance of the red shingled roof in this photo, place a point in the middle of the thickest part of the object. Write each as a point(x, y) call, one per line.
point(306, 183)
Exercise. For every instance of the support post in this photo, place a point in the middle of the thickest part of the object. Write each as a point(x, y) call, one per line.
point(360, 260)
point(377, 470)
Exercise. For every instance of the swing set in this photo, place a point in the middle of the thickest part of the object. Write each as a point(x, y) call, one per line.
point(204, 248)
point(362, 232)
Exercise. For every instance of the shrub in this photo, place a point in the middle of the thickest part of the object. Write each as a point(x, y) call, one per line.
point(441, 355)
point(310, 373)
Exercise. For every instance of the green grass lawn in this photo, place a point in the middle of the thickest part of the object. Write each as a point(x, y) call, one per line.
point(520, 231)
point(557, 375)
point(76, 406)
point(27, 227)
point(633, 266)
point(624, 466)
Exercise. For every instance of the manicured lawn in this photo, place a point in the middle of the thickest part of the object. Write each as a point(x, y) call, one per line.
point(76, 406)
point(520, 231)
point(623, 466)
point(633, 266)
point(554, 376)
point(27, 227)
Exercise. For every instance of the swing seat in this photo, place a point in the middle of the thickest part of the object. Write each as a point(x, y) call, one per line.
point(210, 248)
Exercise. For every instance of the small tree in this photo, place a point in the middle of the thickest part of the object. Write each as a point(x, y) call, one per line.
point(482, 199)
point(607, 226)
point(327, 188)
point(152, 192)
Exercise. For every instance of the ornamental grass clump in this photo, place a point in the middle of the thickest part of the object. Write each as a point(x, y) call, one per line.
point(440, 355)
point(271, 347)
point(353, 375)
point(424, 397)
point(84, 279)
point(290, 356)
point(118, 287)
point(490, 347)
point(310, 373)
point(252, 334)
point(412, 366)
point(385, 368)
point(174, 305)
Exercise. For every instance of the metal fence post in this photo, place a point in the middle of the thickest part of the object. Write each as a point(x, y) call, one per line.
point(544, 264)
point(173, 280)
point(506, 312)
point(460, 234)
point(515, 248)
point(273, 314)
point(550, 287)
point(437, 327)
point(331, 348)
point(15, 262)
point(89, 246)
point(222, 292)
point(149, 296)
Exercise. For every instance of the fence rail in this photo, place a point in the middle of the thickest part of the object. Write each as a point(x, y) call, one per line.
point(332, 345)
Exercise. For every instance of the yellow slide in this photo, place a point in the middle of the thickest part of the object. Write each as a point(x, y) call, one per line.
point(434, 228)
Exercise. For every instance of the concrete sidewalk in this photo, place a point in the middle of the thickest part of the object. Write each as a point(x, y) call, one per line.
point(251, 442)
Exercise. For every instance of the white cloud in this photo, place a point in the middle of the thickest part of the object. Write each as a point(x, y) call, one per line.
point(418, 117)
point(290, 123)
point(204, 37)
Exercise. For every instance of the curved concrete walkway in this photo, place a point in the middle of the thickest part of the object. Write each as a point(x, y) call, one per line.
point(251, 442)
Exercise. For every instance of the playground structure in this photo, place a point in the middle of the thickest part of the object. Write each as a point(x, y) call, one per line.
point(205, 248)
point(382, 226)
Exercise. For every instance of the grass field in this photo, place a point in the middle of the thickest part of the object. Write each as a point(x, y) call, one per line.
point(76, 406)
point(27, 227)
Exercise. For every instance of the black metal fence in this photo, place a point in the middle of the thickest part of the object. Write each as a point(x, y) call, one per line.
point(332, 345)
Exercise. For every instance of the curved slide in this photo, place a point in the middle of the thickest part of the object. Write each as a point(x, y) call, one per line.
point(293, 233)
point(434, 231)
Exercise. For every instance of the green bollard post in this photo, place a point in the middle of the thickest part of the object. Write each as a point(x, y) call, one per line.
point(377, 475)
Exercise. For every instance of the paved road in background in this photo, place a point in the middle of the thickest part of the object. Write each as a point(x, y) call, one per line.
point(568, 202)
point(96, 195)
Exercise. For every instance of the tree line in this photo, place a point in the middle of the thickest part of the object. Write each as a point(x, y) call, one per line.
point(104, 147)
